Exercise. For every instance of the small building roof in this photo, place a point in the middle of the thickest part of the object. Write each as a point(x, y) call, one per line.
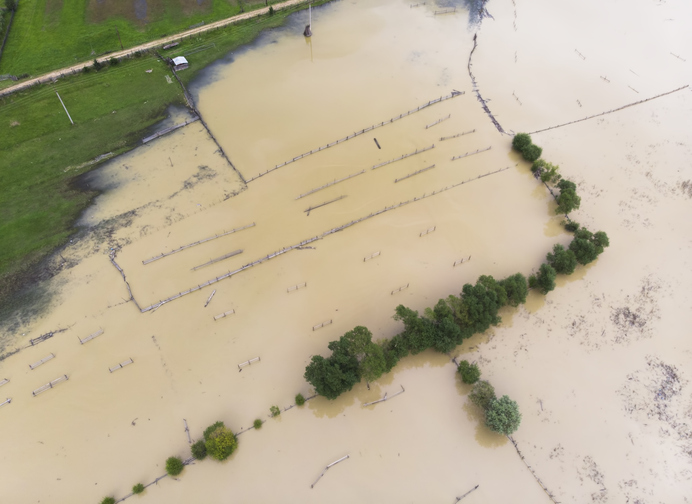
point(180, 60)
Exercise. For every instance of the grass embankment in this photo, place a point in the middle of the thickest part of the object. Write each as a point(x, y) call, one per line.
point(41, 153)
point(51, 34)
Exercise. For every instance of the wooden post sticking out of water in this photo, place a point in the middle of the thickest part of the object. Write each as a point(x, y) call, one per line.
point(308, 31)
point(187, 431)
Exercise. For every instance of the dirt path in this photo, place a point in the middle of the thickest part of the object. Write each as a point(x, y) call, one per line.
point(143, 47)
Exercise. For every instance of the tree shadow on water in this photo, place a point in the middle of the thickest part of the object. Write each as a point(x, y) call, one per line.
point(484, 436)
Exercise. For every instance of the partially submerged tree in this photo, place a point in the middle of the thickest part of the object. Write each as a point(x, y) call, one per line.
point(220, 442)
point(562, 260)
point(470, 373)
point(568, 199)
point(174, 466)
point(483, 394)
point(516, 289)
point(531, 153)
point(544, 280)
point(520, 141)
point(548, 172)
point(503, 416)
point(587, 246)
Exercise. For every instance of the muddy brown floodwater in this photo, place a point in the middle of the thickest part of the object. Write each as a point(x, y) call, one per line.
point(600, 368)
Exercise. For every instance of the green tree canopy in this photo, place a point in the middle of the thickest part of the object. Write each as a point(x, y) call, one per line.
point(483, 394)
point(563, 260)
point(516, 289)
point(520, 141)
point(531, 153)
point(568, 199)
point(549, 172)
point(373, 364)
point(470, 373)
point(357, 340)
point(588, 246)
point(174, 466)
point(221, 443)
point(476, 309)
point(544, 280)
point(503, 416)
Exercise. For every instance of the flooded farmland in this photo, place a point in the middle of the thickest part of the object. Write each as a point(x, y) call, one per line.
point(599, 367)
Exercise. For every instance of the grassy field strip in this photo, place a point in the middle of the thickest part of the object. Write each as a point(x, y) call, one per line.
point(150, 45)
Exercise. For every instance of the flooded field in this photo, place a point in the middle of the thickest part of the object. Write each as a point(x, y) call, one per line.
point(600, 368)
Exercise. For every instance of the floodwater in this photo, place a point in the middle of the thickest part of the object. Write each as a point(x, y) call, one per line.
point(600, 368)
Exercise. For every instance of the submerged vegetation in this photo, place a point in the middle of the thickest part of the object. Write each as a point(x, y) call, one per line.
point(220, 442)
point(174, 466)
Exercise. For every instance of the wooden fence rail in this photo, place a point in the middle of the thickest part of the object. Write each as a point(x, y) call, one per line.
point(329, 184)
point(403, 156)
point(442, 139)
point(248, 362)
point(297, 286)
point(385, 398)
point(427, 231)
point(371, 256)
point(438, 121)
point(325, 469)
point(224, 314)
point(49, 385)
point(322, 324)
point(217, 259)
point(403, 287)
point(4, 381)
point(90, 337)
point(414, 173)
point(471, 153)
point(121, 365)
point(42, 361)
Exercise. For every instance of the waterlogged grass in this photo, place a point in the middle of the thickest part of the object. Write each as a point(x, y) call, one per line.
point(51, 34)
point(41, 152)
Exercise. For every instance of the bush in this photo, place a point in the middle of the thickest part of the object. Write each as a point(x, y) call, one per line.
point(568, 199)
point(199, 450)
point(113, 61)
point(571, 226)
point(275, 411)
point(544, 280)
point(97, 65)
point(300, 400)
point(86, 69)
point(531, 152)
point(209, 430)
point(503, 416)
point(257, 424)
point(520, 141)
point(469, 372)
point(563, 261)
point(483, 394)
point(138, 489)
point(108, 500)
point(516, 288)
point(174, 466)
point(336, 374)
point(587, 246)
point(221, 443)
point(271, 10)
point(138, 54)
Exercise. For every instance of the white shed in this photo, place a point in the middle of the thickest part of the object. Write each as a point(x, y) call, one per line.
point(180, 63)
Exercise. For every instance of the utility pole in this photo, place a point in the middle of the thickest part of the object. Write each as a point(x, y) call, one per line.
point(121, 41)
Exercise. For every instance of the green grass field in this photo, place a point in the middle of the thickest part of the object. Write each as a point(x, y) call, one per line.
point(41, 153)
point(51, 34)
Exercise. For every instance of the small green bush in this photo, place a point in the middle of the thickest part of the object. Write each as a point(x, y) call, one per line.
point(209, 430)
point(520, 141)
point(300, 400)
point(174, 466)
point(138, 54)
point(470, 373)
point(257, 424)
point(531, 152)
point(275, 411)
point(113, 61)
point(271, 10)
point(221, 443)
point(97, 65)
point(138, 489)
point(108, 500)
point(86, 69)
point(199, 450)
point(544, 280)
point(571, 226)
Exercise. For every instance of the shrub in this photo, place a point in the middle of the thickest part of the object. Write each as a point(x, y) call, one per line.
point(174, 466)
point(86, 69)
point(257, 424)
point(138, 489)
point(544, 280)
point(300, 400)
point(271, 10)
point(97, 65)
point(520, 141)
point(483, 394)
point(503, 416)
point(113, 61)
point(571, 226)
point(209, 430)
point(221, 443)
point(199, 450)
point(516, 288)
point(568, 199)
point(108, 500)
point(138, 54)
point(563, 261)
point(587, 246)
point(531, 152)
point(469, 372)
point(335, 374)
point(275, 411)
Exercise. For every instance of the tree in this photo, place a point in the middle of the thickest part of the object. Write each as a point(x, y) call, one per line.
point(571, 226)
point(221, 443)
point(531, 153)
point(548, 171)
point(516, 289)
point(108, 500)
point(138, 489)
point(300, 400)
point(446, 333)
point(520, 141)
point(275, 411)
point(475, 310)
point(470, 373)
point(568, 199)
point(418, 334)
point(11, 5)
point(503, 416)
point(483, 394)
point(334, 375)
point(588, 246)
point(373, 365)
point(174, 466)
point(544, 280)
point(563, 261)
point(357, 340)
point(199, 450)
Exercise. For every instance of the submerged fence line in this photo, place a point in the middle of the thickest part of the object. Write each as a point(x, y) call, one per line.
point(533, 473)
point(613, 110)
point(385, 398)
point(414, 173)
point(403, 156)
point(453, 94)
point(329, 184)
point(305, 242)
point(467, 154)
point(438, 121)
point(90, 337)
point(217, 259)
point(199, 242)
point(310, 209)
point(442, 139)
point(328, 466)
